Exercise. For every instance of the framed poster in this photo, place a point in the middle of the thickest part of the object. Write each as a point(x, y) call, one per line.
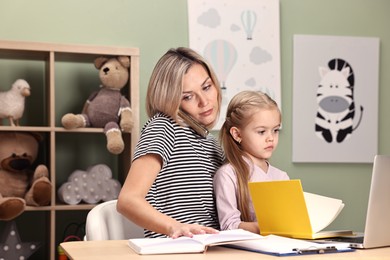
point(241, 41)
point(335, 99)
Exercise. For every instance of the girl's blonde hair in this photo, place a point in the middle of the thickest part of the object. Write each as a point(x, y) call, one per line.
point(165, 87)
point(239, 113)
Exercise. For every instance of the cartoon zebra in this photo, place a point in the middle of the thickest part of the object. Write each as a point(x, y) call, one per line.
point(336, 106)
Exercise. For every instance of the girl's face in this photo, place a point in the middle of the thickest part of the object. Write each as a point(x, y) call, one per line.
point(260, 136)
point(200, 96)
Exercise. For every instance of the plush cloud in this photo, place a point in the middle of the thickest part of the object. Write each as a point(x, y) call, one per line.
point(90, 186)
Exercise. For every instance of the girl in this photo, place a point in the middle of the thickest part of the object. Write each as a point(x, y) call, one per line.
point(249, 135)
point(169, 187)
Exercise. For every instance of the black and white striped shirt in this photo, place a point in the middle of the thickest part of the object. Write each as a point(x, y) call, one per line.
point(183, 188)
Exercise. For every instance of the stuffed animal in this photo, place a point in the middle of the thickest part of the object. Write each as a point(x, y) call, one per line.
point(12, 101)
point(107, 108)
point(20, 185)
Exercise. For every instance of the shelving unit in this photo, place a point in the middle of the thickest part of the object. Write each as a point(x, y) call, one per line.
point(61, 77)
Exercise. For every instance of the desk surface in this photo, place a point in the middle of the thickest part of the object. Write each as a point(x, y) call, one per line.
point(118, 249)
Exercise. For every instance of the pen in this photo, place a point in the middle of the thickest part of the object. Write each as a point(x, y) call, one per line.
point(314, 250)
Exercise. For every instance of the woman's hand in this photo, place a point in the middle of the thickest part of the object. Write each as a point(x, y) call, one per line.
point(189, 230)
point(133, 205)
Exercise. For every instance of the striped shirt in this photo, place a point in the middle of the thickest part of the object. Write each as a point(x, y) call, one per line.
point(183, 188)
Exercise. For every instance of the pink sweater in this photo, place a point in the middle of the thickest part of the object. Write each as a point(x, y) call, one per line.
point(225, 188)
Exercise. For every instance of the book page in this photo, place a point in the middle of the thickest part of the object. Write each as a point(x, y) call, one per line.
point(149, 246)
point(226, 236)
point(195, 244)
point(322, 210)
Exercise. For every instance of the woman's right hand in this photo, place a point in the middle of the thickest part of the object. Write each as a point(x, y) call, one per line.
point(189, 230)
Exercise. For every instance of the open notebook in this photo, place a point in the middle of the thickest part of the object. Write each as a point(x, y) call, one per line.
point(282, 208)
point(237, 238)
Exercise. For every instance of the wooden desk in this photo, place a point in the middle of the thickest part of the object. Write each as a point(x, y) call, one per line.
point(118, 249)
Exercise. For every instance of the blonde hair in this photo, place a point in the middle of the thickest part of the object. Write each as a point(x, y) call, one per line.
point(165, 87)
point(239, 113)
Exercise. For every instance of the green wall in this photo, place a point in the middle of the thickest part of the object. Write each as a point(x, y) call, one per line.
point(156, 25)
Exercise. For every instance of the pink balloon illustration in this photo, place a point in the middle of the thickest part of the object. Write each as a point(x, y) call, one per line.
point(222, 55)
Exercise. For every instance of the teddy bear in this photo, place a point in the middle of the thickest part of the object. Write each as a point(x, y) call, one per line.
point(107, 108)
point(20, 185)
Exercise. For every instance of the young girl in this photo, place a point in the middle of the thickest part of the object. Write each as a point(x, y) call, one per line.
point(249, 135)
point(169, 188)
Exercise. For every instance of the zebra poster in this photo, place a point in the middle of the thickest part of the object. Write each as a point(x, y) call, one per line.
point(335, 99)
point(241, 41)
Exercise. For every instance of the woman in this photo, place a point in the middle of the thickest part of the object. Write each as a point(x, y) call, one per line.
point(169, 188)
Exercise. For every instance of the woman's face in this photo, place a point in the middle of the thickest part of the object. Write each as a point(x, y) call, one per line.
point(200, 96)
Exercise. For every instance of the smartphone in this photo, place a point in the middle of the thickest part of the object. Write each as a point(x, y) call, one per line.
point(200, 129)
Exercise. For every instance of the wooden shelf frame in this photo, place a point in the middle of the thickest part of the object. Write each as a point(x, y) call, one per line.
point(50, 54)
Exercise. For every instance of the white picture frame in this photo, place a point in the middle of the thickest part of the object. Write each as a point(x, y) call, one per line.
point(324, 129)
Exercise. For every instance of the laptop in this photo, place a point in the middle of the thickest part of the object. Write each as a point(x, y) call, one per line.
point(283, 209)
point(377, 228)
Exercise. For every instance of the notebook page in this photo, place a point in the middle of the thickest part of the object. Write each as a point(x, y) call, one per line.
point(322, 210)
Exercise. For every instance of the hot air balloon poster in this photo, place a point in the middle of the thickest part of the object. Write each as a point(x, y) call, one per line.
point(241, 41)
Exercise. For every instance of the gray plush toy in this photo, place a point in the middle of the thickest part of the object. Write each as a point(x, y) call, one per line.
point(107, 108)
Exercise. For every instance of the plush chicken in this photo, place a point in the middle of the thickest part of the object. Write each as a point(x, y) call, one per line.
point(12, 101)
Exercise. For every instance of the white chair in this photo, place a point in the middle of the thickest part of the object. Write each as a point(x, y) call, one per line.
point(104, 222)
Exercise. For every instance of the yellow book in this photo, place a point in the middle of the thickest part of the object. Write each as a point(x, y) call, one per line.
point(282, 208)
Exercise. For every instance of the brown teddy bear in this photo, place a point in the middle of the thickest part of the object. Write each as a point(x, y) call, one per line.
point(107, 108)
point(19, 184)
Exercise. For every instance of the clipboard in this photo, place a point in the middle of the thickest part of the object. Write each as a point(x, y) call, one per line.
point(284, 246)
point(328, 249)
